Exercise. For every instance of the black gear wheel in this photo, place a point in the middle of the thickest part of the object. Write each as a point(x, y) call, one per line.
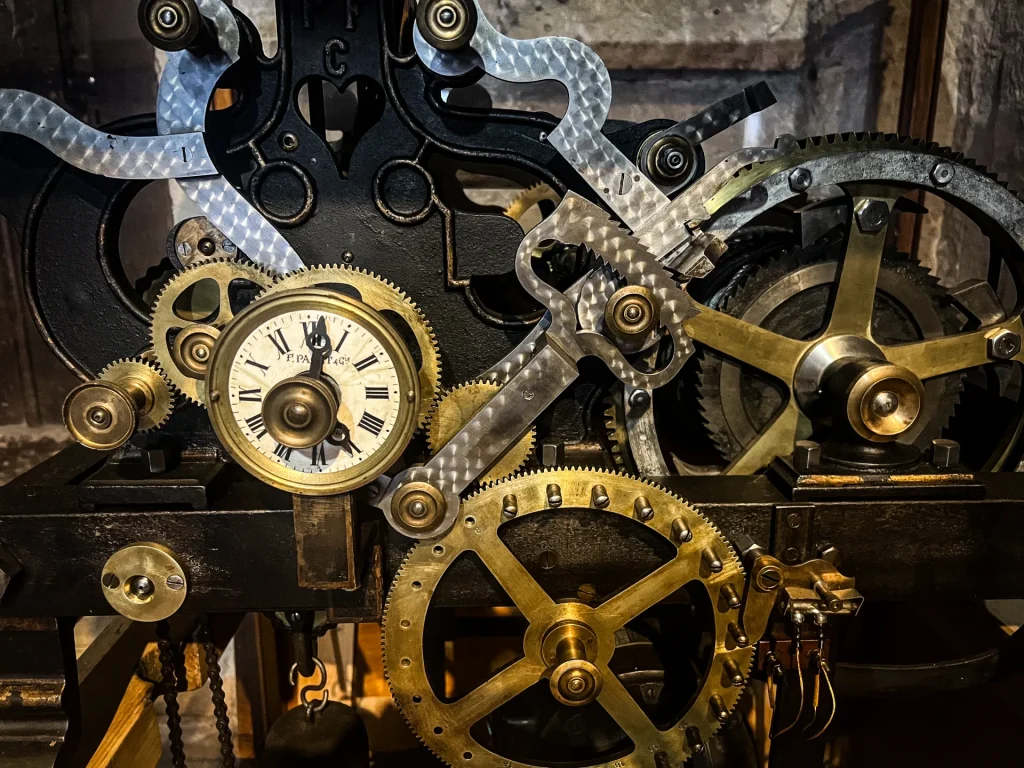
point(787, 292)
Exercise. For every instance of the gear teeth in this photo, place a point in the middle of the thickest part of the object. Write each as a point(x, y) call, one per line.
point(430, 372)
point(525, 445)
point(163, 317)
point(158, 418)
point(876, 140)
point(392, 629)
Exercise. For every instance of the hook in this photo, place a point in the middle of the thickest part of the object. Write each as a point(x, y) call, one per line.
point(775, 673)
point(305, 693)
point(832, 696)
point(800, 679)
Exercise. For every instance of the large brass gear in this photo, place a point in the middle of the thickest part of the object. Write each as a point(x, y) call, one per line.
point(181, 337)
point(453, 411)
point(703, 556)
point(384, 297)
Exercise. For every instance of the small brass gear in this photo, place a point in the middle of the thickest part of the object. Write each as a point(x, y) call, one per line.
point(453, 411)
point(702, 556)
point(187, 318)
point(148, 375)
point(388, 299)
point(616, 434)
point(530, 198)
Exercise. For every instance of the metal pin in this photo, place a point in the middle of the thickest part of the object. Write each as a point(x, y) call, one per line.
point(711, 560)
point(732, 671)
point(681, 532)
point(643, 509)
point(828, 597)
point(731, 596)
point(738, 635)
point(719, 708)
point(554, 495)
point(510, 506)
point(695, 740)
point(599, 497)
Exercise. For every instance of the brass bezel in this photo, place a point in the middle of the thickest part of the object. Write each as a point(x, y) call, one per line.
point(278, 475)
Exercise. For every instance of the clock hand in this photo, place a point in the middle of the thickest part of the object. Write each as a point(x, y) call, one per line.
point(319, 345)
point(343, 440)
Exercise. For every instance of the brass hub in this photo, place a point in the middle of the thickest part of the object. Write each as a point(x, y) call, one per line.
point(570, 649)
point(418, 506)
point(631, 312)
point(193, 348)
point(301, 412)
point(100, 415)
point(883, 401)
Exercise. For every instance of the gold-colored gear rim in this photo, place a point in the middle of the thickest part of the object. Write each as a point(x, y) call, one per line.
point(165, 319)
point(149, 376)
point(530, 198)
point(382, 296)
point(456, 408)
point(445, 727)
point(278, 475)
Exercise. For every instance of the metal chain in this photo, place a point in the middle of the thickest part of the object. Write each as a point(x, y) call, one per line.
point(220, 707)
point(168, 672)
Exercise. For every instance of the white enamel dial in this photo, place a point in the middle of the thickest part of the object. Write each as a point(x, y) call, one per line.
point(364, 364)
point(358, 367)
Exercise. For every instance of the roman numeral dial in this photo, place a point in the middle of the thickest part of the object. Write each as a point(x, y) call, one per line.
point(274, 376)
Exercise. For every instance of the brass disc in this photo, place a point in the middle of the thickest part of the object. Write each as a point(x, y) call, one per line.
point(382, 296)
point(100, 415)
point(144, 582)
point(454, 410)
point(569, 639)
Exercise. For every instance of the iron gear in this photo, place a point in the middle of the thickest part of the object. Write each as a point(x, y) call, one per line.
point(540, 196)
point(187, 317)
point(385, 297)
point(788, 294)
point(568, 641)
point(452, 412)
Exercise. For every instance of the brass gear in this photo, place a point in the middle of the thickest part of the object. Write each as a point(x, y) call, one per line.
point(384, 297)
point(528, 199)
point(170, 319)
point(150, 375)
point(615, 430)
point(456, 407)
point(445, 727)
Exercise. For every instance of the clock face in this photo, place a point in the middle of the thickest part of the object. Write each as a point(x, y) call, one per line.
point(313, 340)
point(357, 367)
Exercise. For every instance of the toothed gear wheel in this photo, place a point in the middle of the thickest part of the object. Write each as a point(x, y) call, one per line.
point(539, 195)
point(392, 302)
point(456, 407)
point(184, 303)
point(787, 293)
point(445, 726)
point(615, 430)
point(153, 381)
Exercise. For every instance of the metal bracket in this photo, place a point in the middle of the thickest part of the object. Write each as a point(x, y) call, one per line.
point(792, 532)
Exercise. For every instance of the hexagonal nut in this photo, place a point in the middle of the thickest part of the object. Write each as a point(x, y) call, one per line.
point(800, 180)
point(830, 554)
point(872, 215)
point(1003, 344)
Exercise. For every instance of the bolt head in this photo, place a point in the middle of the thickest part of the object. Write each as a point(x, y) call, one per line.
point(800, 180)
point(806, 455)
point(640, 399)
point(830, 554)
point(167, 17)
point(945, 453)
point(1003, 344)
point(872, 216)
point(943, 173)
point(175, 582)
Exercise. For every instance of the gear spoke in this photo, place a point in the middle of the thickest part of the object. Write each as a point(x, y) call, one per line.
point(501, 688)
point(854, 301)
point(526, 593)
point(646, 593)
point(767, 351)
point(936, 357)
point(623, 709)
point(776, 440)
